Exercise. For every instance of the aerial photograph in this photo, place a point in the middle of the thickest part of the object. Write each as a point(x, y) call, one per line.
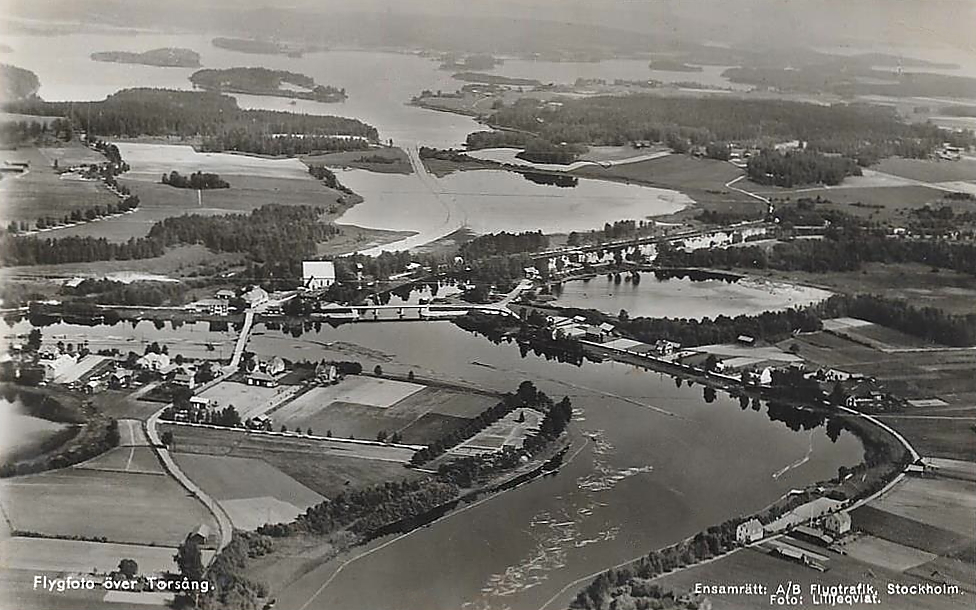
point(502, 305)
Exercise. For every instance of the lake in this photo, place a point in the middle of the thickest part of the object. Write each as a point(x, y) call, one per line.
point(494, 200)
point(661, 464)
point(684, 298)
point(19, 430)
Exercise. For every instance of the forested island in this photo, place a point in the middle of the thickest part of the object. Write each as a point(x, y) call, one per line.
point(471, 62)
point(197, 181)
point(262, 81)
point(214, 117)
point(495, 79)
point(169, 57)
point(17, 83)
point(673, 65)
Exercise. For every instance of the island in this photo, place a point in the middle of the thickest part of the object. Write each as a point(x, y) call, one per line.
point(672, 65)
point(495, 79)
point(262, 81)
point(262, 47)
point(471, 62)
point(167, 57)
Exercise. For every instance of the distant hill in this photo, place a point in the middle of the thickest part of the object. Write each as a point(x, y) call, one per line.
point(17, 83)
point(165, 58)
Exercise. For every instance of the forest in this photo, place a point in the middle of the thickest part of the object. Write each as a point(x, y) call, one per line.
point(197, 181)
point(282, 234)
point(503, 243)
point(213, 116)
point(854, 130)
point(800, 168)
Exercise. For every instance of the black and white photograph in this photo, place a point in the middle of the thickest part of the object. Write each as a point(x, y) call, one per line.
point(499, 305)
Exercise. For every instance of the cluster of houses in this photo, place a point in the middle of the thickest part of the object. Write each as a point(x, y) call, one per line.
point(578, 328)
point(226, 300)
point(825, 530)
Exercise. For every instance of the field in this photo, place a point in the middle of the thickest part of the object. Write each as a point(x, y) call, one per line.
point(948, 290)
point(140, 460)
point(929, 171)
point(887, 554)
point(757, 566)
point(157, 510)
point(247, 399)
point(944, 503)
point(908, 532)
point(506, 431)
point(49, 555)
point(42, 192)
point(879, 203)
point(361, 407)
point(873, 335)
point(701, 179)
point(351, 158)
point(250, 490)
point(325, 467)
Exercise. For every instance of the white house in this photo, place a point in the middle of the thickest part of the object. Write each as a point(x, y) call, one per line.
point(255, 296)
point(153, 362)
point(267, 372)
point(749, 531)
point(837, 524)
point(56, 367)
point(317, 275)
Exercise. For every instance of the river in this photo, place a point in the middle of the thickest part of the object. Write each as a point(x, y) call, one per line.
point(661, 464)
point(684, 298)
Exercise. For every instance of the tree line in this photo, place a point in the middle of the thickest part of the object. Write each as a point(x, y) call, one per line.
point(503, 243)
point(799, 168)
point(216, 117)
point(850, 129)
point(197, 181)
point(274, 233)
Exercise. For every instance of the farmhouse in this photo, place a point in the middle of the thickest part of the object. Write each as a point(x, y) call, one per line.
point(317, 275)
point(226, 294)
point(326, 372)
point(837, 524)
point(185, 376)
point(56, 366)
point(214, 307)
point(119, 379)
point(266, 372)
point(750, 531)
point(153, 362)
point(255, 296)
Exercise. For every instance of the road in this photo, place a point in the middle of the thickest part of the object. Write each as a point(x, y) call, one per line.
point(453, 218)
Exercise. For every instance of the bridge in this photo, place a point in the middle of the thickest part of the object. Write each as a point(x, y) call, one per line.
point(392, 313)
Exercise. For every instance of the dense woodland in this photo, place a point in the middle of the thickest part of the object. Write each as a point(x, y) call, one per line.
point(197, 181)
point(503, 243)
point(854, 130)
point(273, 233)
point(215, 117)
point(800, 168)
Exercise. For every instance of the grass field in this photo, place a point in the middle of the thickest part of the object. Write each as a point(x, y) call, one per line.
point(126, 459)
point(701, 179)
point(247, 399)
point(756, 566)
point(251, 491)
point(327, 468)
point(873, 335)
point(351, 158)
point(948, 504)
point(50, 555)
point(908, 532)
point(947, 290)
point(156, 509)
point(928, 170)
point(887, 554)
point(41, 191)
point(361, 407)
